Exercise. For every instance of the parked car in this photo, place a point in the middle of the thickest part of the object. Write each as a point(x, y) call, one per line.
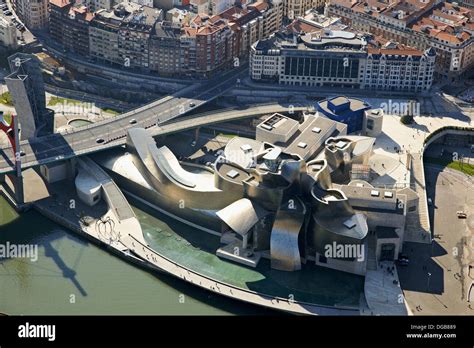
point(403, 262)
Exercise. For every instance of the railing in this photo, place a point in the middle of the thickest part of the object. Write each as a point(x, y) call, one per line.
point(233, 287)
point(430, 138)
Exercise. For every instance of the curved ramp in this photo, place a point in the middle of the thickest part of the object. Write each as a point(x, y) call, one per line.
point(120, 220)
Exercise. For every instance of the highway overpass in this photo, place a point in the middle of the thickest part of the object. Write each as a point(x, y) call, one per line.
point(59, 147)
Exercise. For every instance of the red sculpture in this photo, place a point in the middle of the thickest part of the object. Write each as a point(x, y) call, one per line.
point(8, 129)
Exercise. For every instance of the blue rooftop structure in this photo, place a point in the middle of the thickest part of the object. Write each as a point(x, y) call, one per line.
point(346, 110)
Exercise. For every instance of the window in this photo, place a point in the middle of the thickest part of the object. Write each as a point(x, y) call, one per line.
point(370, 124)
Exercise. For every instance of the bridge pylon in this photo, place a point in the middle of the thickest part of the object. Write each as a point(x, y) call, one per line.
point(11, 129)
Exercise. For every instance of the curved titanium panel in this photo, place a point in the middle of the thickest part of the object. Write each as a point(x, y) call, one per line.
point(180, 189)
point(169, 164)
point(326, 232)
point(241, 215)
point(284, 249)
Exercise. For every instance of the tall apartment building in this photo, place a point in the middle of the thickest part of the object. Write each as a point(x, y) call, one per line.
point(103, 36)
point(297, 8)
point(121, 35)
point(467, 3)
point(211, 42)
point(255, 22)
point(34, 13)
point(394, 67)
point(343, 59)
point(211, 7)
point(7, 33)
point(134, 34)
point(26, 86)
point(165, 49)
point(214, 43)
point(446, 27)
point(96, 5)
point(69, 25)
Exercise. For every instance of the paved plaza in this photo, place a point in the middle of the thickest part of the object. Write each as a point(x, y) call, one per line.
point(437, 281)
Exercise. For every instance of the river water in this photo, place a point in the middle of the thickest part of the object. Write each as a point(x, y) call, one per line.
point(73, 276)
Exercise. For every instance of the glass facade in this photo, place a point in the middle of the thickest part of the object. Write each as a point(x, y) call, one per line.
point(340, 67)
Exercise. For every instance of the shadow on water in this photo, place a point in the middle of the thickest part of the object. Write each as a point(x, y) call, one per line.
point(32, 228)
point(19, 232)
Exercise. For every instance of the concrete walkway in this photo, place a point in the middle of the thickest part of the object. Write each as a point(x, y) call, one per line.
point(383, 293)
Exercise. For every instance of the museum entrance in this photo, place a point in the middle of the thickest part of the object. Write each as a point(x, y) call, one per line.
point(387, 252)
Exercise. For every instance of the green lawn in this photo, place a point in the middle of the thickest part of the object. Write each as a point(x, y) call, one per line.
point(456, 165)
point(7, 118)
point(111, 111)
point(227, 135)
point(58, 100)
point(6, 99)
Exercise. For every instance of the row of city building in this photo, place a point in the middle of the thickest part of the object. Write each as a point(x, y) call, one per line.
point(340, 49)
point(141, 37)
point(339, 58)
point(423, 24)
point(398, 38)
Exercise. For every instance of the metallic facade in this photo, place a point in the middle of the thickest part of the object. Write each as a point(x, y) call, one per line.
point(278, 206)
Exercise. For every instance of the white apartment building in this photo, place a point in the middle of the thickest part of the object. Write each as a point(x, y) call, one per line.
point(446, 27)
point(297, 8)
point(34, 13)
point(7, 33)
point(96, 5)
point(342, 59)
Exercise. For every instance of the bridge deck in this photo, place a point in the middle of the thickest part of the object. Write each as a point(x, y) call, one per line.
point(59, 147)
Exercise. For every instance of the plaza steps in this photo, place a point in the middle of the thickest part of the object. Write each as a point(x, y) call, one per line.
point(418, 224)
point(371, 255)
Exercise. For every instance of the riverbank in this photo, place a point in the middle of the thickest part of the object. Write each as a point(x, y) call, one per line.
point(73, 276)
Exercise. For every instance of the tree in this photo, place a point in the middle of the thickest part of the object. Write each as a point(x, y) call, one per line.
point(406, 119)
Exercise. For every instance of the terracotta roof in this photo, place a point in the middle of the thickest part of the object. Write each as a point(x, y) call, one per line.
point(60, 3)
point(259, 5)
point(298, 26)
point(398, 51)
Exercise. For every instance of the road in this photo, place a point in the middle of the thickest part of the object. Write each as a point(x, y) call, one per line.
point(84, 141)
point(436, 281)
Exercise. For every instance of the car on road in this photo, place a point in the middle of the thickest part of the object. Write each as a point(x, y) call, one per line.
point(99, 141)
point(461, 214)
point(430, 201)
point(403, 260)
point(193, 143)
point(133, 121)
point(192, 105)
